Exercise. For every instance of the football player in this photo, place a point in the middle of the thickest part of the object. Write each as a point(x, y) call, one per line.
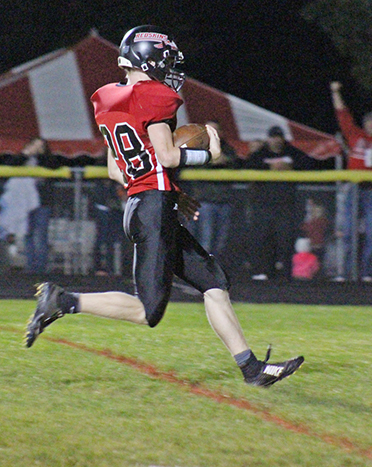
point(136, 120)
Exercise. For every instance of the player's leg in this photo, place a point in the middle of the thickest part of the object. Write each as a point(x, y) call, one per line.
point(223, 320)
point(54, 302)
point(201, 270)
point(152, 225)
point(226, 325)
point(114, 305)
point(148, 223)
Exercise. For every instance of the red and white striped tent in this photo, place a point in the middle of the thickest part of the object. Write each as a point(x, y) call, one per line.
point(49, 97)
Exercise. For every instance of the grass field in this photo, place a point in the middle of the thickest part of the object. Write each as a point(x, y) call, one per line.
point(94, 393)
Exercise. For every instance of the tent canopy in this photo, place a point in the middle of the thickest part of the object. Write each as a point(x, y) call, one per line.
point(50, 97)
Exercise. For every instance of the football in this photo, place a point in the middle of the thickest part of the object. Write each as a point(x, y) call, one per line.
point(192, 135)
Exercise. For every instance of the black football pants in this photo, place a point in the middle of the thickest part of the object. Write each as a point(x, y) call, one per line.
point(164, 248)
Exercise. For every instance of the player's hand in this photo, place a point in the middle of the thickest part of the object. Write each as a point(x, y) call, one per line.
point(214, 143)
point(188, 206)
point(335, 86)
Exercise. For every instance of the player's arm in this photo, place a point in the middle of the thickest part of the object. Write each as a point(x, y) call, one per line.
point(338, 102)
point(170, 156)
point(113, 170)
point(162, 140)
point(350, 130)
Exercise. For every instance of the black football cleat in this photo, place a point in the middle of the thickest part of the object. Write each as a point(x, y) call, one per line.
point(47, 310)
point(265, 374)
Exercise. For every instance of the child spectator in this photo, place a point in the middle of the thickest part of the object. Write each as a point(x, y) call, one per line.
point(305, 265)
point(315, 228)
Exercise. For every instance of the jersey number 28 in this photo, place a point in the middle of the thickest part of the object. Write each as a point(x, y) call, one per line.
point(129, 147)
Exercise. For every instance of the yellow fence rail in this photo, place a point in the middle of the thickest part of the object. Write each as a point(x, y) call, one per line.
point(225, 175)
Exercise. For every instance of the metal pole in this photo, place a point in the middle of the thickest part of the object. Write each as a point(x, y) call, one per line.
point(78, 189)
point(339, 222)
point(355, 231)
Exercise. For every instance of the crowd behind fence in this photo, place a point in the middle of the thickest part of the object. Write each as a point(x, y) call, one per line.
point(84, 231)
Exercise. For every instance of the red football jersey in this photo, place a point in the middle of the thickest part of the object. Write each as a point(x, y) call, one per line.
point(359, 142)
point(123, 113)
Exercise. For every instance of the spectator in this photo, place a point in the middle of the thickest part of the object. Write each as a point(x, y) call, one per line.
point(275, 217)
point(359, 142)
point(34, 241)
point(20, 197)
point(5, 242)
point(255, 145)
point(37, 153)
point(32, 230)
point(216, 203)
point(108, 208)
point(315, 227)
point(305, 264)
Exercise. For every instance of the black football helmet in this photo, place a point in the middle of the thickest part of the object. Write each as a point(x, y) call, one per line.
point(154, 52)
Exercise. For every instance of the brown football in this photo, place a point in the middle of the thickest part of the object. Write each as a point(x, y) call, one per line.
point(192, 135)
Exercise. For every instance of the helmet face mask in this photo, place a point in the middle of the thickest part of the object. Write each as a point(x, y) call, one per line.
point(153, 52)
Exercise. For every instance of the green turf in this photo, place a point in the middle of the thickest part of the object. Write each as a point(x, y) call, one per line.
point(65, 406)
